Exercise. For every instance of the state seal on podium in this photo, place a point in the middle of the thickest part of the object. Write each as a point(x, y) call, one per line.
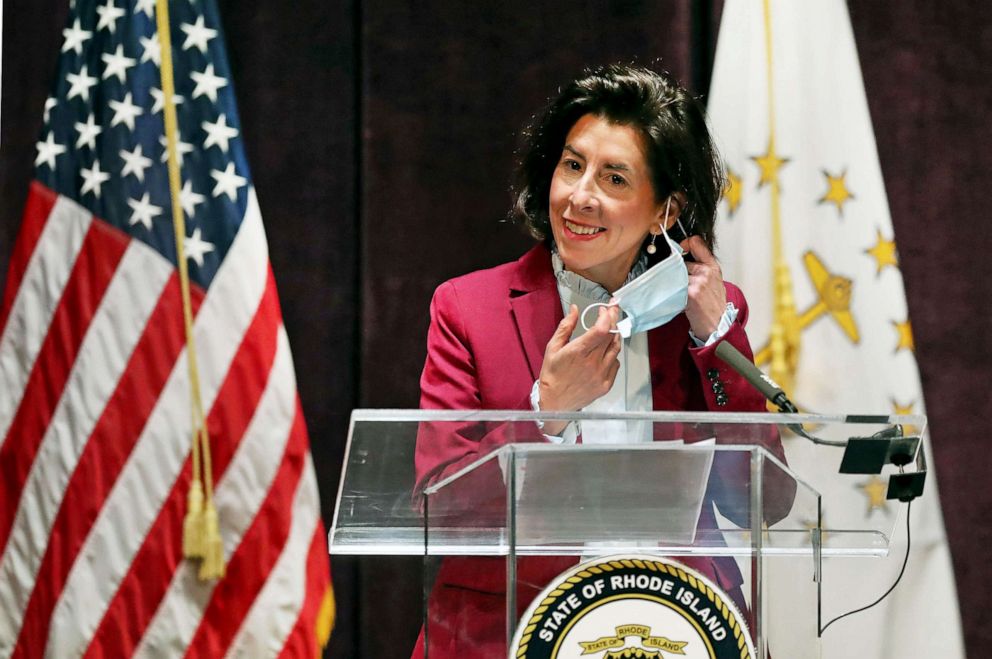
point(632, 607)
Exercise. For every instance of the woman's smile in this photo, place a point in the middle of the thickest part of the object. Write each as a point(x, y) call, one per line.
point(580, 231)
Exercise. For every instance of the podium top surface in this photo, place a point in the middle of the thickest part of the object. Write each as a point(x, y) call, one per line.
point(483, 482)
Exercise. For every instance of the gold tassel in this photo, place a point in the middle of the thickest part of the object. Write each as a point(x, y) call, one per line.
point(193, 545)
point(212, 566)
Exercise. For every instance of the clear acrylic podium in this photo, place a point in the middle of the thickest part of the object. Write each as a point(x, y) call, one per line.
point(495, 508)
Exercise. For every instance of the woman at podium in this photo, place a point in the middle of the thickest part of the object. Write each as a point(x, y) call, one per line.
point(618, 307)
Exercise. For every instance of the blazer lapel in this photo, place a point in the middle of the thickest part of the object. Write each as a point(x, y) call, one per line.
point(535, 305)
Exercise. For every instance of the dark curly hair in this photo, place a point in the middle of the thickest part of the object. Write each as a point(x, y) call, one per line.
point(680, 153)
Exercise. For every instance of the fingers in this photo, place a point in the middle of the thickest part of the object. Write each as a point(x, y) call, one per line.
point(599, 336)
point(612, 349)
point(705, 275)
point(705, 266)
point(564, 331)
point(700, 269)
point(705, 281)
point(607, 319)
point(611, 374)
point(696, 246)
point(611, 363)
point(707, 293)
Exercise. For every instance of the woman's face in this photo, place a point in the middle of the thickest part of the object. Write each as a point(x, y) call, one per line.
point(602, 203)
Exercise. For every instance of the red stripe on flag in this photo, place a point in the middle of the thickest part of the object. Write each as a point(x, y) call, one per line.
point(153, 567)
point(98, 258)
point(38, 207)
point(142, 588)
point(302, 640)
point(103, 457)
point(254, 558)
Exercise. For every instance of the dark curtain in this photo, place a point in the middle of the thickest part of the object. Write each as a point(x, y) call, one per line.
point(382, 136)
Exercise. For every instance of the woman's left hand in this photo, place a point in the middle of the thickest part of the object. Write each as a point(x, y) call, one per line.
point(707, 295)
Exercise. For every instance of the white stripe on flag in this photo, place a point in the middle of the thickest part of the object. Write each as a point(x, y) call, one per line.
point(41, 288)
point(274, 612)
point(115, 329)
point(156, 461)
point(238, 495)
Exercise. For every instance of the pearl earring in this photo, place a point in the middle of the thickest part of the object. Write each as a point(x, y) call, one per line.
point(651, 249)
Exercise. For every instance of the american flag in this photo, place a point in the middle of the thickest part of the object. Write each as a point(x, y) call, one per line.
point(95, 418)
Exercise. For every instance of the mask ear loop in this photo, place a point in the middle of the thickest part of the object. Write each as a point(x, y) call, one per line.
point(651, 249)
point(678, 221)
point(582, 316)
point(684, 233)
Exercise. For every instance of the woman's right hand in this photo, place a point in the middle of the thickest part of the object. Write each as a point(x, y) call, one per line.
point(575, 373)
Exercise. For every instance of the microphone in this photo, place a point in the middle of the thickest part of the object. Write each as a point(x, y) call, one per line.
point(768, 388)
point(862, 455)
point(747, 370)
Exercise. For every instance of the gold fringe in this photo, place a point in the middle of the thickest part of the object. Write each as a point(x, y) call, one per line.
point(193, 545)
point(212, 566)
point(325, 618)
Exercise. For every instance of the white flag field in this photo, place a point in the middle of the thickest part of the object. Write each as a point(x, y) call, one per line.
point(788, 109)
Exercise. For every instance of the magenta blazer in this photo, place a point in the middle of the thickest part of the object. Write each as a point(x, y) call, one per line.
point(485, 347)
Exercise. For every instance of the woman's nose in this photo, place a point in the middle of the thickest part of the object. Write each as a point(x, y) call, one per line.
point(583, 195)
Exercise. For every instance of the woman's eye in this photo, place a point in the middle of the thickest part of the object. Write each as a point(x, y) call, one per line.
point(572, 164)
point(617, 180)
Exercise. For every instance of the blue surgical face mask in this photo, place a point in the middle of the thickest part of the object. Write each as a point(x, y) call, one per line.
point(652, 299)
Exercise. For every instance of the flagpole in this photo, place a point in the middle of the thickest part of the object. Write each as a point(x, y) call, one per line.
point(784, 336)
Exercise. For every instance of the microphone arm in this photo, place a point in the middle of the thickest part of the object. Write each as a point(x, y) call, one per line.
point(768, 388)
point(862, 455)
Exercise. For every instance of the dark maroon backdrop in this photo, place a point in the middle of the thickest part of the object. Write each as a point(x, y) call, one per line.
point(381, 137)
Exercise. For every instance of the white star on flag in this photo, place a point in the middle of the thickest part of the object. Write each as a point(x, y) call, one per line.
point(117, 64)
point(144, 211)
point(124, 112)
point(152, 50)
point(196, 247)
point(75, 37)
point(181, 149)
point(47, 151)
point(109, 13)
point(87, 133)
point(189, 199)
point(135, 163)
point(93, 179)
point(79, 84)
point(219, 133)
point(147, 6)
point(50, 103)
point(197, 35)
point(228, 182)
point(207, 83)
point(159, 97)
